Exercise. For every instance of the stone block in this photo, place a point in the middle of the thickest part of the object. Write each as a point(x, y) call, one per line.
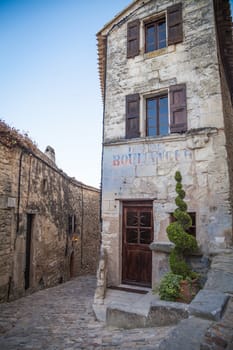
point(164, 247)
point(208, 304)
point(220, 281)
point(121, 316)
point(186, 336)
point(166, 313)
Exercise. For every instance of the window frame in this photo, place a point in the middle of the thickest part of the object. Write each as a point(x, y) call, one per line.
point(155, 21)
point(157, 97)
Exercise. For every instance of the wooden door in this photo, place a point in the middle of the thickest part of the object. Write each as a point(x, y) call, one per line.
point(137, 236)
point(27, 273)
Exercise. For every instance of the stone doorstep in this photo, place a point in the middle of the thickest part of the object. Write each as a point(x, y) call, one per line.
point(147, 312)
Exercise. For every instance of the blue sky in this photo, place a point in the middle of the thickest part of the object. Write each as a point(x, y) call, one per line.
point(49, 83)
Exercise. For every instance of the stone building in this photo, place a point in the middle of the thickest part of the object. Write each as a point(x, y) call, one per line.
point(166, 74)
point(49, 222)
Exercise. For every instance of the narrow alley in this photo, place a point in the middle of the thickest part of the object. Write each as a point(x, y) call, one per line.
point(61, 318)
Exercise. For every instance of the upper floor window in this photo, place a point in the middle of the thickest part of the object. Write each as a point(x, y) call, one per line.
point(157, 116)
point(155, 35)
point(159, 32)
point(162, 115)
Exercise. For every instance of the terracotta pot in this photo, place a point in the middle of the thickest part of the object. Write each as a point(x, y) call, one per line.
point(188, 290)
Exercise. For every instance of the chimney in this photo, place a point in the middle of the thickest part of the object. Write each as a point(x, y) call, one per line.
point(50, 153)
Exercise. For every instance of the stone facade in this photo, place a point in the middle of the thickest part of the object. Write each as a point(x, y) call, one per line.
point(143, 167)
point(49, 222)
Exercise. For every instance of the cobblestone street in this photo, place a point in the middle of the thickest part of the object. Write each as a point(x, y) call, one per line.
point(62, 318)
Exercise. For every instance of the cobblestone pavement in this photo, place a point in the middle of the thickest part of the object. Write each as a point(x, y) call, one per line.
point(61, 318)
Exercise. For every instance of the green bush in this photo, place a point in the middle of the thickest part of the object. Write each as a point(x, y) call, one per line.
point(184, 242)
point(169, 288)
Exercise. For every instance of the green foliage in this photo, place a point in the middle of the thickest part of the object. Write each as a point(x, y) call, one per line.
point(169, 288)
point(178, 264)
point(184, 242)
point(181, 204)
point(178, 176)
point(183, 218)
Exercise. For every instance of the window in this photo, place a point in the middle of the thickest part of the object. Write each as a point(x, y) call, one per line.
point(192, 229)
point(158, 111)
point(157, 116)
point(72, 224)
point(155, 35)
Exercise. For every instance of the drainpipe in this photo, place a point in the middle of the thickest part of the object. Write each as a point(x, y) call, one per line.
point(82, 221)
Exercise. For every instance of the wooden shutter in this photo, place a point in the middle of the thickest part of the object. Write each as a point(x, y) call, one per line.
point(132, 116)
point(178, 110)
point(133, 38)
point(175, 24)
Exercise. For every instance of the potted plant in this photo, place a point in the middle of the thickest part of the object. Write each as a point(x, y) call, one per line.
point(185, 244)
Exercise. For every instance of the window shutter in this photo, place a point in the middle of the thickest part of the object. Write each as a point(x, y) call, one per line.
point(133, 38)
point(132, 116)
point(175, 24)
point(178, 110)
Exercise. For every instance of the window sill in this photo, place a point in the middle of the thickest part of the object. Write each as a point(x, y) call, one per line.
point(160, 52)
point(160, 139)
point(146, 139)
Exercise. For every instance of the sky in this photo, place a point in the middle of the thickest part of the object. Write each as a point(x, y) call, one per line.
point(49, 82)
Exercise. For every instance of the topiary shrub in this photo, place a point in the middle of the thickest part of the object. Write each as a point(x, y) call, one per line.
point(170, 285)
point(184, 242)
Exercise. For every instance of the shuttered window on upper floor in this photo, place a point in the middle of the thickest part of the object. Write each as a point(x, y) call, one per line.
point(159, 32)
point(156, 113)
point(155, 35)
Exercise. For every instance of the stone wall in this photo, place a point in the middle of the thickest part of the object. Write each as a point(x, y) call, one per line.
point(34, 191)
point(144, 168)
point(228, 120)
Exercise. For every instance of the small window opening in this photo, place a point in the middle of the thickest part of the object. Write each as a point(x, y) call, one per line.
point(192, 229)
point(72, 225)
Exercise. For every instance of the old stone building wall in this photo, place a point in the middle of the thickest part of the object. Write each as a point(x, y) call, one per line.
point(225, 55)
point(142, 168)
point(49, 222)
